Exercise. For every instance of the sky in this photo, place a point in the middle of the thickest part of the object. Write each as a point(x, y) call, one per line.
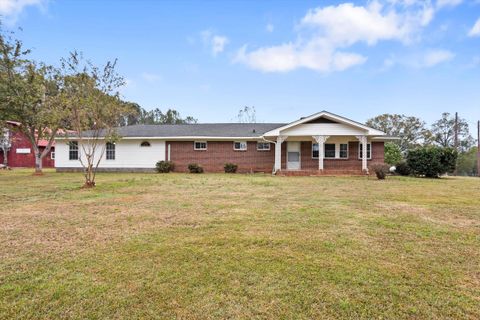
point(288, 59)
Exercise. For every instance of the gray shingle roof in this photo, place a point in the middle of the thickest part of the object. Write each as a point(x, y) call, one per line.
point(198, 130)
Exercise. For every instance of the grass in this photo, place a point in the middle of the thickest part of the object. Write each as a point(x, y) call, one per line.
point(219, 246)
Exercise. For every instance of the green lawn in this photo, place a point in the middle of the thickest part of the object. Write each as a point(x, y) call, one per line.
point(218, 246)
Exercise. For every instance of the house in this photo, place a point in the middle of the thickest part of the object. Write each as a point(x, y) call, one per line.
point(20, 153)
point(322, 143)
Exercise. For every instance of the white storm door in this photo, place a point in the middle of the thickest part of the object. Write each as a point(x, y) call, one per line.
point(293, 155)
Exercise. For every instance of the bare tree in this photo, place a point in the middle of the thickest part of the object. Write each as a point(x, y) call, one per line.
point(94, 105)
point(247, 115)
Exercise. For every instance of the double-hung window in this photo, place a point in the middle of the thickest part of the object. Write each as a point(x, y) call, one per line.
point(329, 150)
point(343, 150)
point(315, 150)
point(263, 146)
point(110, 153)
point(200, 145)
point(240, 145)
point(73, 150)
point(369, 151)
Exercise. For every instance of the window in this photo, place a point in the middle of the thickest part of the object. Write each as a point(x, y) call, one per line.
point(110, 151)
point(240, 145)
point(369, 151)
point(200, 145)
point(343, 150)
point(315, 150)
point(52, 155)
point(73, 150)
point(145, 144)
point(329, 150)
point(263, 146)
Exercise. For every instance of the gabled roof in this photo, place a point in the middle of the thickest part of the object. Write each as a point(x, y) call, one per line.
point(327, 115)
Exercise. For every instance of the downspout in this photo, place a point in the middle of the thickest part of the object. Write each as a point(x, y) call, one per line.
point(275, 143)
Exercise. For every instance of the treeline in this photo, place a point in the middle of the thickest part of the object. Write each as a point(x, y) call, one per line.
point(137, 115)
point(413, 133)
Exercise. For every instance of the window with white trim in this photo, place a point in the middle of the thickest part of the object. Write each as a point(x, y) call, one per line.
point(239, 145)
point(330, 150)
point(73, 150)
point(200, 145)
point(110, 153)
point(52, 155)
point(343, 154)
point(263, 146)
point(369, 151)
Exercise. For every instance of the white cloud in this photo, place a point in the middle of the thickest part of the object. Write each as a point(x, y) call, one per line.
point(269, 27)
point(475, 31)
point(331, 30)
point(216, 43)
point(346, 23)
point(287, 57)
point(150, 77)
point(11, 9)
point(448, 3)
point(434, 57)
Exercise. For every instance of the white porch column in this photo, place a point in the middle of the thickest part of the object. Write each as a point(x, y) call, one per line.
point(321, 149)
point(363, 140)
point(278, 153)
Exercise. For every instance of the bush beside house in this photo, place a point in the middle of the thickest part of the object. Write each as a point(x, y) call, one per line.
point(402, 168)
point(164, 166)
point(230, 168)
point(393, 153)
point(195, 168)
point(431, 161)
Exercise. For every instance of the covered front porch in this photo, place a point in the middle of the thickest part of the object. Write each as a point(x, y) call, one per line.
point(325, 155)
point(325, 143)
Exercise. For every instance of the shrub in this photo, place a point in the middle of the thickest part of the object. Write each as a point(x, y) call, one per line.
point(380, 170)
point(432, 162)
point(230, 167)
point(393, 154)
point(195, 168)
point(403, 169)
point(164, 166)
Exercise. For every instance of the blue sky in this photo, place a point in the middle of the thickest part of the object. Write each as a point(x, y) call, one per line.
point(287, 58)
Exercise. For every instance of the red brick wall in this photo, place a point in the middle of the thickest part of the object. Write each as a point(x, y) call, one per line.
point(218, 153)
point(352, 163)
point(19, 140)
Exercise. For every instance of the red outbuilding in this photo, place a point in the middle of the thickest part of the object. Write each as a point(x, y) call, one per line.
point(21, 152)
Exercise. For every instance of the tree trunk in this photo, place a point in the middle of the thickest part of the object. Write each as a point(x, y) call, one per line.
point(5, 157)
point(89, 176)
point(38, 162)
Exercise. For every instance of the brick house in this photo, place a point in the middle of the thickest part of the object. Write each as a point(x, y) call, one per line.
point(323, 143)
point(20, 154)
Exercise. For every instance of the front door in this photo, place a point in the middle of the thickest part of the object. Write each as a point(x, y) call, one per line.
point(293, 155)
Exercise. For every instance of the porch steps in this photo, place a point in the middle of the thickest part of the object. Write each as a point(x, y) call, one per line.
point(299, 173)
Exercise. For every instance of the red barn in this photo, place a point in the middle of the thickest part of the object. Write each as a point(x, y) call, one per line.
point(21, 151)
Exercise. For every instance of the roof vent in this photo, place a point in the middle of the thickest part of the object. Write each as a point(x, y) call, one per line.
point(253, 130)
